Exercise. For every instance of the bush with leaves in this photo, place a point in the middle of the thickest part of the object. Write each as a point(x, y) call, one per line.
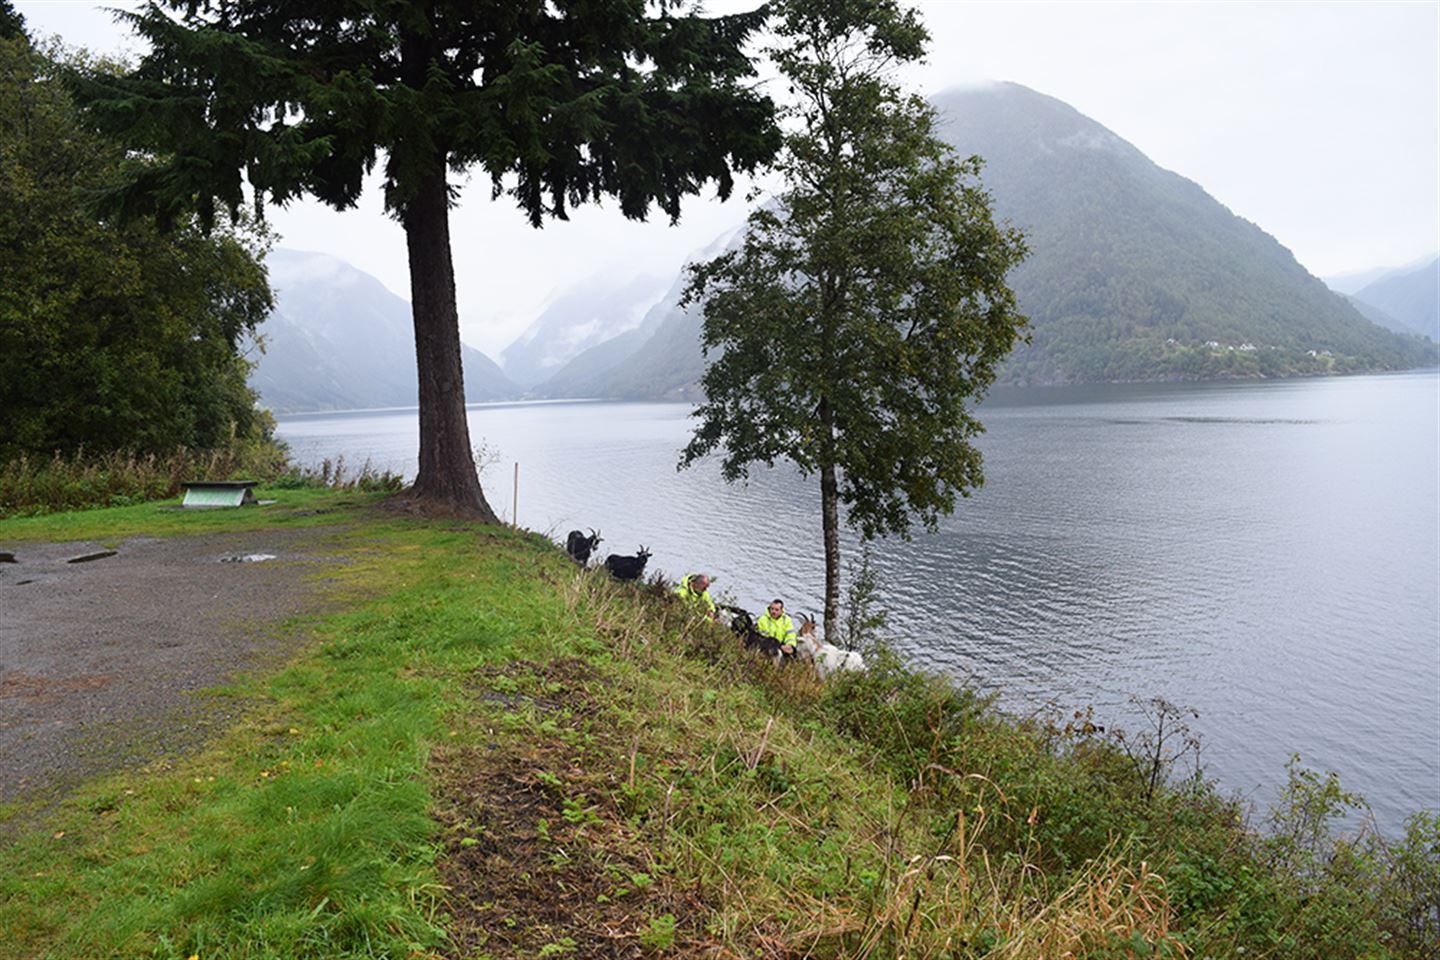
point(112, 337)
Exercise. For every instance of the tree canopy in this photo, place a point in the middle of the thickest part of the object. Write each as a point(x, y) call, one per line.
point(112, 336)
point(560, 102)
point(12, 24)
point(867, 307)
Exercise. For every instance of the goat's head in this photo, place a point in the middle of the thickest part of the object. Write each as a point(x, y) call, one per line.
point(643, 553)
point(806, 639)
point(595, 538)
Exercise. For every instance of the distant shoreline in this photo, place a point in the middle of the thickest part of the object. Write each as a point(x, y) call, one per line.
point(1001, 387)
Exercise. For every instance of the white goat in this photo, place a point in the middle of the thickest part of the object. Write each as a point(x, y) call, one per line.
point(827, 657)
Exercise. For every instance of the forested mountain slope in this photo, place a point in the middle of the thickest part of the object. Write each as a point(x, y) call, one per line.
point(1135, 272)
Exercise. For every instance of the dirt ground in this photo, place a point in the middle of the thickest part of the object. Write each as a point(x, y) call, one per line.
point(103, 662)
point(536, 859)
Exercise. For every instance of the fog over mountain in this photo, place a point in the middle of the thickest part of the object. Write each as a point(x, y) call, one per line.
point(1407, 298)
point(659, 359)
point(1353, 281)
point(1135, 273)
point(587, 314)
point(339, 340)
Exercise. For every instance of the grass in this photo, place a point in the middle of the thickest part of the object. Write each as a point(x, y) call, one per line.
point(487, 754)
point(305, 830)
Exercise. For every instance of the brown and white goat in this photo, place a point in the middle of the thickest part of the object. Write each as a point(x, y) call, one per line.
point(827, 657)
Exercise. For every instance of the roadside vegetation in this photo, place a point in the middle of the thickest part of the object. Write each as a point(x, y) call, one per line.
point(34, 486)
point(487, 753)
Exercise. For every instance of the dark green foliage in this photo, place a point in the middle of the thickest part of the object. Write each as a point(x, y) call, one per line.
point(12, 24)
point(865, 618)
point(574, 100)
point(112, 337)
point(1411, 914)
point(867, 308)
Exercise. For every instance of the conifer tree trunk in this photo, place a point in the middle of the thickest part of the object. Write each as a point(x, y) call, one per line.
point(447, 467)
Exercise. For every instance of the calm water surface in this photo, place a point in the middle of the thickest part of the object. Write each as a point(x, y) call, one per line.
point(1263, 552)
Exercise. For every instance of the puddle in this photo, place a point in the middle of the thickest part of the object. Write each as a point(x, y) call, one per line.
point(93, 556)
point(249, 558)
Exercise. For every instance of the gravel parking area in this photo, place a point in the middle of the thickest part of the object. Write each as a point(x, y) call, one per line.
point(102, 661)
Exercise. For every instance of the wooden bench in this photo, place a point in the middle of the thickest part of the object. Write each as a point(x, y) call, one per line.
point(220, 493)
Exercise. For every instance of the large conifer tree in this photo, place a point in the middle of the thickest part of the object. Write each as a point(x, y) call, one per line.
point(559, 101)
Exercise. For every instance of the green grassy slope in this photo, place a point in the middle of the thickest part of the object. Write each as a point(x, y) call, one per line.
point(490, 754)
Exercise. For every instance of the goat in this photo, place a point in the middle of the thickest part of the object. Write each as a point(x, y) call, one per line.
point(580, 546)
point(827, 657)
point(628, 568)
point(743, 626)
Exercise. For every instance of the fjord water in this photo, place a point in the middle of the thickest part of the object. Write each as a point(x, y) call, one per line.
point(1266, 553)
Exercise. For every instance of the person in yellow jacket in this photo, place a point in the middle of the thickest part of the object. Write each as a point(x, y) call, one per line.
point(775, 622)
point(694, 589)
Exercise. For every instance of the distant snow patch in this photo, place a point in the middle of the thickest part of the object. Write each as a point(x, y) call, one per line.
point(295, 268)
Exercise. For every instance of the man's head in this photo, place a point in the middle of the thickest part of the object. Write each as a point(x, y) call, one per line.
point(700, 582)
point(776, 608)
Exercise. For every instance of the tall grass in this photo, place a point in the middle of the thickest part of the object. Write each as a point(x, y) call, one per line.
point(30, 486)
point(84, 480)
point(1001, 836)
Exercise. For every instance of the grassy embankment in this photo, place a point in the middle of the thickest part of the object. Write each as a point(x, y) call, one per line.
point(487, 754)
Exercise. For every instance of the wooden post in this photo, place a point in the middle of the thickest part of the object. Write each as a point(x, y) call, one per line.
point(515, 499)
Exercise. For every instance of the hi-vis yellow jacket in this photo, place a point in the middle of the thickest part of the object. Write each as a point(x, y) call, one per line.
point(700, 599)
point(782, 628)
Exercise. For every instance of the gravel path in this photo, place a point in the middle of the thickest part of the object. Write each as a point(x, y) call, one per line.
point(101, 660)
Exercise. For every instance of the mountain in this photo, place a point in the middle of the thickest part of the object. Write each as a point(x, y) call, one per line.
point(584, 316)
point(1409, 297)
point(1135, 272)
point(590, 373)
point(339, 340)
point(1376, 316)
point(1353, 281)
point(660, 359)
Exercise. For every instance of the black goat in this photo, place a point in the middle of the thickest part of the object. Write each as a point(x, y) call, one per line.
point(627, 568)
point(743, 626)
point(580, 546)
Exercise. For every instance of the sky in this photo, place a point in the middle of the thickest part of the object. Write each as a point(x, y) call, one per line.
point(1318, 121)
